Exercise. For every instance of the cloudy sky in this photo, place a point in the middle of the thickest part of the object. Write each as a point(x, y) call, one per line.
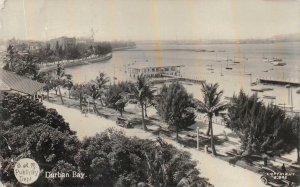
point(149, 19)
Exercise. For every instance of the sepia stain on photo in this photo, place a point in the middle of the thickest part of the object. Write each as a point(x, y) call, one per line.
point(149, 93)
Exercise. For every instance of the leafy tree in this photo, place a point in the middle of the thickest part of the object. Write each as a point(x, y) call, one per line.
point(111, 159)
point(261, 128)
point(174, 106)
point(100, 86)
point(42, 134)
point(211, 106)
point(68, 83)
point(11, 58)
point(141, 92)
point(25, 65)
point(117, 96)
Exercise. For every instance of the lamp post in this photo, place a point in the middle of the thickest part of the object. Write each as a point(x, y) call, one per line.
point(197, 138)
point(290, 95)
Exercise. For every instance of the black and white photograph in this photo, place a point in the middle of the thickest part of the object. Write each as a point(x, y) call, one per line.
point(149, 93)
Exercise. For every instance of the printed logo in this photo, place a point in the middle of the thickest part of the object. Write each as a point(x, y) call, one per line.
point(27, 171)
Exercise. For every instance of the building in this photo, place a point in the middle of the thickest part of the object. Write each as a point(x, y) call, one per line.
point(64, 42)
point(25, 45)
point(12, 82)
point(85, 40)
point(155, 71)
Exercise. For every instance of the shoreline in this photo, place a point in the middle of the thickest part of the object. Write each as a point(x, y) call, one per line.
point(76, 62)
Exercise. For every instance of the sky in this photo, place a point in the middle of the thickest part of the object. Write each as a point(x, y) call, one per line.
point(149, 19)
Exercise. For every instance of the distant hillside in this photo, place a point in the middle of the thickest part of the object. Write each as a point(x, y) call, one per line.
point(287, 37)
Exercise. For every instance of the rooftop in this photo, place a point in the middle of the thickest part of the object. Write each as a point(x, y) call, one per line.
point(12, 81)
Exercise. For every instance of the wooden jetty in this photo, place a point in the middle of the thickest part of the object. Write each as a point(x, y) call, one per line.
point(172, 78)
point(279, 82)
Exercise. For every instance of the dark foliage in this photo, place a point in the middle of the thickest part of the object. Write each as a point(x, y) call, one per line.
point(107, 159)
point(30, 130)
point(174, 106)
point(261, 128)
point(111, 159)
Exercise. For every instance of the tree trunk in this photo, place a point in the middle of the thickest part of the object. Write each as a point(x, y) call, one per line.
point(208, 129)
point(146, 111)
point(212, 137)
point(48, 95)
point(80, 102)
point(101, 101)
point(121, 111)
point(143, 118)
point(95, 108)
point(62, 101)
point(177, 133)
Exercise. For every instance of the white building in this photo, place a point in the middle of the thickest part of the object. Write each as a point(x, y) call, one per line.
point(154, 71)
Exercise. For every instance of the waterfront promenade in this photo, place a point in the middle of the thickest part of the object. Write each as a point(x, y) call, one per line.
point(77, 62)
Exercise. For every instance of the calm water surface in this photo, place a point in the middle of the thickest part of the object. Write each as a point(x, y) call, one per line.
point(196, 65)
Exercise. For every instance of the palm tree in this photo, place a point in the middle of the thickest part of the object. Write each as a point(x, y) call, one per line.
point(211, 106)
point(142, 92)
point(60, 73)
point(100, 83)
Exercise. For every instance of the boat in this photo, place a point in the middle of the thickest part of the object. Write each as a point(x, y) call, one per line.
point(275, 60)
point(278, 63)
point(211, 69)
point(221, 70)
point(267, 89)
point(257, 90)
point(253, 83)
point(269, 97)
point(236, 62)
point(227, 67)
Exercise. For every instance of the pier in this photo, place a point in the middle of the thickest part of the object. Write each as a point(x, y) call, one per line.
point(184, 79)
point(279, 82)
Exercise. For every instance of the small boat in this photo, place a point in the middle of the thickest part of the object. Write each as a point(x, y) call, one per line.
point(278, 63)
point(269, 97)
point(211, 69)
point(267, 89)
point(235, 62)
point(222, 70)
point(275, 60)
point(257, 90)
point(253, 83)
point(227, 67)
